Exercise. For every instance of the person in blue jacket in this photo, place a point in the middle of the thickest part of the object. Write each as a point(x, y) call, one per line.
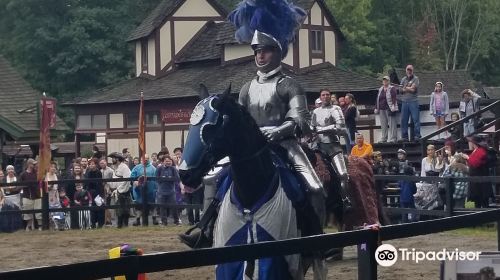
point(407, 190)
point(138, 174)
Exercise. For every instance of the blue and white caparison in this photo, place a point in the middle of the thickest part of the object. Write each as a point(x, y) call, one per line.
point(258, 196)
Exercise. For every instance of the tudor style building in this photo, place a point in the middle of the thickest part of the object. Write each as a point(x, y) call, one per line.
point(183, 43)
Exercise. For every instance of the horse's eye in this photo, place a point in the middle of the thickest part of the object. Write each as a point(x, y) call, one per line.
point(209, 133)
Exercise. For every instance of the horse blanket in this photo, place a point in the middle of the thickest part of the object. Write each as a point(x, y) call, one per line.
point(272, 218)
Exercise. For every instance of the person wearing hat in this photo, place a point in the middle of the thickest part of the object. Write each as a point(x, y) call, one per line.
point(440, 107)
point(480, 192)
point(403, 162)
point(31, 198)
point(386, 107)
point(317, 103)
point(409, 104)
point(121, 189)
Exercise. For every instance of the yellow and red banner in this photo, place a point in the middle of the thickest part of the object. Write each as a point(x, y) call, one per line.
point(47, 121)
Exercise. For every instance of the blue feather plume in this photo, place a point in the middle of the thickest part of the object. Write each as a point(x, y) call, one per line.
point(278, 18)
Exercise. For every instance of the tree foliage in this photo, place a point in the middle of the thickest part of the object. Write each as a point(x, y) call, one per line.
point(68, 46)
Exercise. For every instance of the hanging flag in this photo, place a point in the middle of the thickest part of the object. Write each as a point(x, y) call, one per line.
point(47, 121)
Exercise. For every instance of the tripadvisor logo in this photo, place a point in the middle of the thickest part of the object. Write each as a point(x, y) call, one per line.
point(387, 255)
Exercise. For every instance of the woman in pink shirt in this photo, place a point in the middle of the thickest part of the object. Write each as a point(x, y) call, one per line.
point(440, 108)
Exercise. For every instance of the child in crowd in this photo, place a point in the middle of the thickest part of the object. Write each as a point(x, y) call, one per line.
point(83, 198)
point(456, 132)
point(439, 107)
point(407, 190)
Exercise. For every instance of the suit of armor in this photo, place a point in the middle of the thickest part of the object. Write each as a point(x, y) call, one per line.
point(278, 105)
point(328, 121)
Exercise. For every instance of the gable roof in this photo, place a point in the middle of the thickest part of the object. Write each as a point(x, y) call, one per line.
point(18, 116)
point(454, 83)
point(204, 47)
point(165, 9)
point(184, 82)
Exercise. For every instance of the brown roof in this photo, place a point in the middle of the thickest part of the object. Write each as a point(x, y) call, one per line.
point(454, 83)
point(165, 9)
point(18, 100)
point(184, 82)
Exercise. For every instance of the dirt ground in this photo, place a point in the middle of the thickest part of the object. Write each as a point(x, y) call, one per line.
point(51, 248)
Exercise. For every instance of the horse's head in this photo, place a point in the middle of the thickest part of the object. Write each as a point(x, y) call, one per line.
point(216, 128)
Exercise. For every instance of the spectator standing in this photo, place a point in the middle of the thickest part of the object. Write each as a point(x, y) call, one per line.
point(167, 177)
point(342, 104)
point(361, 149)
point(84, 163)
point(432, 165)
point(122, 189)
point(53, 193)
point(138, 172)
point(386, 107)
point(409, 104)
point(402, 161)
point(96, 190)
point(31, 195)
point(12, 194)
point(480, 192)
point(350, 115)
point(128, 158)
point(154, 159)
point(458, 169)
point(407, 190)
point(468, 106)
point(107, 173)
point(440, 107)
point(457, 131)
point(76, 174)
point(83, 198)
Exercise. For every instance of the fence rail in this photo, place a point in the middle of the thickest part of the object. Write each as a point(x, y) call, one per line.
point(148, 263)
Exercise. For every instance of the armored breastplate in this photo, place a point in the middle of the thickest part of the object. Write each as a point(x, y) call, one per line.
point(325, 116)
point(264, 104)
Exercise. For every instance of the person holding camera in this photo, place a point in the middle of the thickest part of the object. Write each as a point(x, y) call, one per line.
point(386, 107)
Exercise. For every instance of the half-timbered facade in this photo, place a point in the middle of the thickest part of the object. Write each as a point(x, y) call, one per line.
point(186, 42)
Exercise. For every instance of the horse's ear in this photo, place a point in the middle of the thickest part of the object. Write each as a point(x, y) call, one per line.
point(203, 92)
point(227, 91)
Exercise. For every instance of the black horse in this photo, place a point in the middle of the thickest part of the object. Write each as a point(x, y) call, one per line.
point(260, 189)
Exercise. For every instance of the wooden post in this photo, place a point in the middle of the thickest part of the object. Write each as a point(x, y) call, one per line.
point(2, 137)
point(498, 235)
point(163, 134)
point(77, 145)
point(449, 196)
point(367, 265)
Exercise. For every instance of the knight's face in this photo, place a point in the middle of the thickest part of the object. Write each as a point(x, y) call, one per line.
point(267, 59)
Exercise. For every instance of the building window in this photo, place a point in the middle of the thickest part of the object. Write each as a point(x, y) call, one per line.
point(316, 41)
point(92, 122)
point(132, 120)
point(153, 118)
point(84, 122)
point(99, 121)
point(144, 56)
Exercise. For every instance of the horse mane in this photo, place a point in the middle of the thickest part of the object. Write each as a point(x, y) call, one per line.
point(228, 105)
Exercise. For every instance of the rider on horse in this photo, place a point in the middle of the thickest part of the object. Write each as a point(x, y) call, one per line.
point(329, 123)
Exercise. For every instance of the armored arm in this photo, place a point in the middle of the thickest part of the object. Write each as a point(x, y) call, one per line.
point(338, 126)
point(290, 91)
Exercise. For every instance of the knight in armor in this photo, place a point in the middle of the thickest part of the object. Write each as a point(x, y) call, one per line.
point(329, 124)
point(278, 105)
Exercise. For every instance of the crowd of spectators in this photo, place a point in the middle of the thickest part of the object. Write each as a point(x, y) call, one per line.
point(162, 185)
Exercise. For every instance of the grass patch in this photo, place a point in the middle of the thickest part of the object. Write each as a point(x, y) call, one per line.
point(489, 231)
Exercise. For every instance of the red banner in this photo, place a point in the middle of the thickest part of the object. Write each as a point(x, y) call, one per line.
point(47, 121)
point(175, 116)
